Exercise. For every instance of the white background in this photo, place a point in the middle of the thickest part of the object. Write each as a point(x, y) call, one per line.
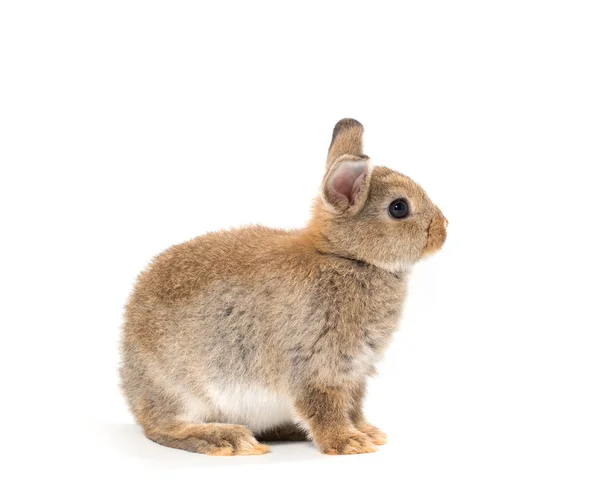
point(126, 127)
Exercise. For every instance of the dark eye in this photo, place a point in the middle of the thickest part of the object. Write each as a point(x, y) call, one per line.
point(399, 208)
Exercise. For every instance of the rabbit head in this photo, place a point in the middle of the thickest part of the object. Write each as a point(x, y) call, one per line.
point(373, 214)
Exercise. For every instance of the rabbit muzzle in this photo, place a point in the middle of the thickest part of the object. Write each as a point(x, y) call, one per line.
point(436, 234)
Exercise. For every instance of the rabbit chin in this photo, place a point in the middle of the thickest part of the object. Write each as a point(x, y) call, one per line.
point(393, 267)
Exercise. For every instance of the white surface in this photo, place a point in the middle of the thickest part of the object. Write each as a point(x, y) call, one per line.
point(130, 126)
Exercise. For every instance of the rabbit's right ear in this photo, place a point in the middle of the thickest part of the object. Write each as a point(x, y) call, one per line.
point(346, 183)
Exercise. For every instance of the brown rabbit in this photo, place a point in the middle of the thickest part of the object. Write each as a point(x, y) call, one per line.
point(273, 333)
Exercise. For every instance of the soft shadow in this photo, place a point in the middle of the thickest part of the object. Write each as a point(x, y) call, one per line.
point(129, 440)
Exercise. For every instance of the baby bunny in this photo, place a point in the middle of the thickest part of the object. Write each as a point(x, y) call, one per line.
point(257, 333)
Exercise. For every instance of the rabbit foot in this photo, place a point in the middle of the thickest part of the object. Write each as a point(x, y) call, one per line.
point(352, 443)
point(211, 439)
point(377, 436)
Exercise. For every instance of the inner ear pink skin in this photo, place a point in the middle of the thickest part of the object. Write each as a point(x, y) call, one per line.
point(357, 186)
point(347, 180)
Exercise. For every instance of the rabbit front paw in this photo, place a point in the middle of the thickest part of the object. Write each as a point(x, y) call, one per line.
point(351, 443)
point(376, 435)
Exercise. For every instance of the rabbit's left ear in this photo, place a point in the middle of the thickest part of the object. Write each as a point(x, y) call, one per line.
point(347, 138)
point(346, 183)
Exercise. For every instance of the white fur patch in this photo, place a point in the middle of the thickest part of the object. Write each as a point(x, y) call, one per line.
point(363, 362)
point(195, 410)
point(256, 407)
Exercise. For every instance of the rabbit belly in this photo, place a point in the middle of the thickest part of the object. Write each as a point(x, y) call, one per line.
point(252, 405)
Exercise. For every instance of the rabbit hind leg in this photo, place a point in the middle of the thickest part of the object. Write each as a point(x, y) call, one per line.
point(176, 423)
point(176, 418)
point(164, 423)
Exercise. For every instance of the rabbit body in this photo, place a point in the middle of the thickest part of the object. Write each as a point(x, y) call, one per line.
point(231, 323)
point(264, 333)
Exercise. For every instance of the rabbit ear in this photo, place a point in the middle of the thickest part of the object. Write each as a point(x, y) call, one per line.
point(346, 139)
point(346, 183)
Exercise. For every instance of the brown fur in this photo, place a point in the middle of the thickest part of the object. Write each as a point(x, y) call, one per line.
point(346, 139)
point(295, 317)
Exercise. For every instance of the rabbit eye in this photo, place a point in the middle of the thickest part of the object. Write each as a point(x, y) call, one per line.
point(399, 209)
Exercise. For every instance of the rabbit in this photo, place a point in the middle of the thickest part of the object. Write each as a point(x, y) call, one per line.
point(258, 334)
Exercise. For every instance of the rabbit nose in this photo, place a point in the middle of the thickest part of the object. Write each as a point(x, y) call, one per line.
point(441, 217)
point(436, 234)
